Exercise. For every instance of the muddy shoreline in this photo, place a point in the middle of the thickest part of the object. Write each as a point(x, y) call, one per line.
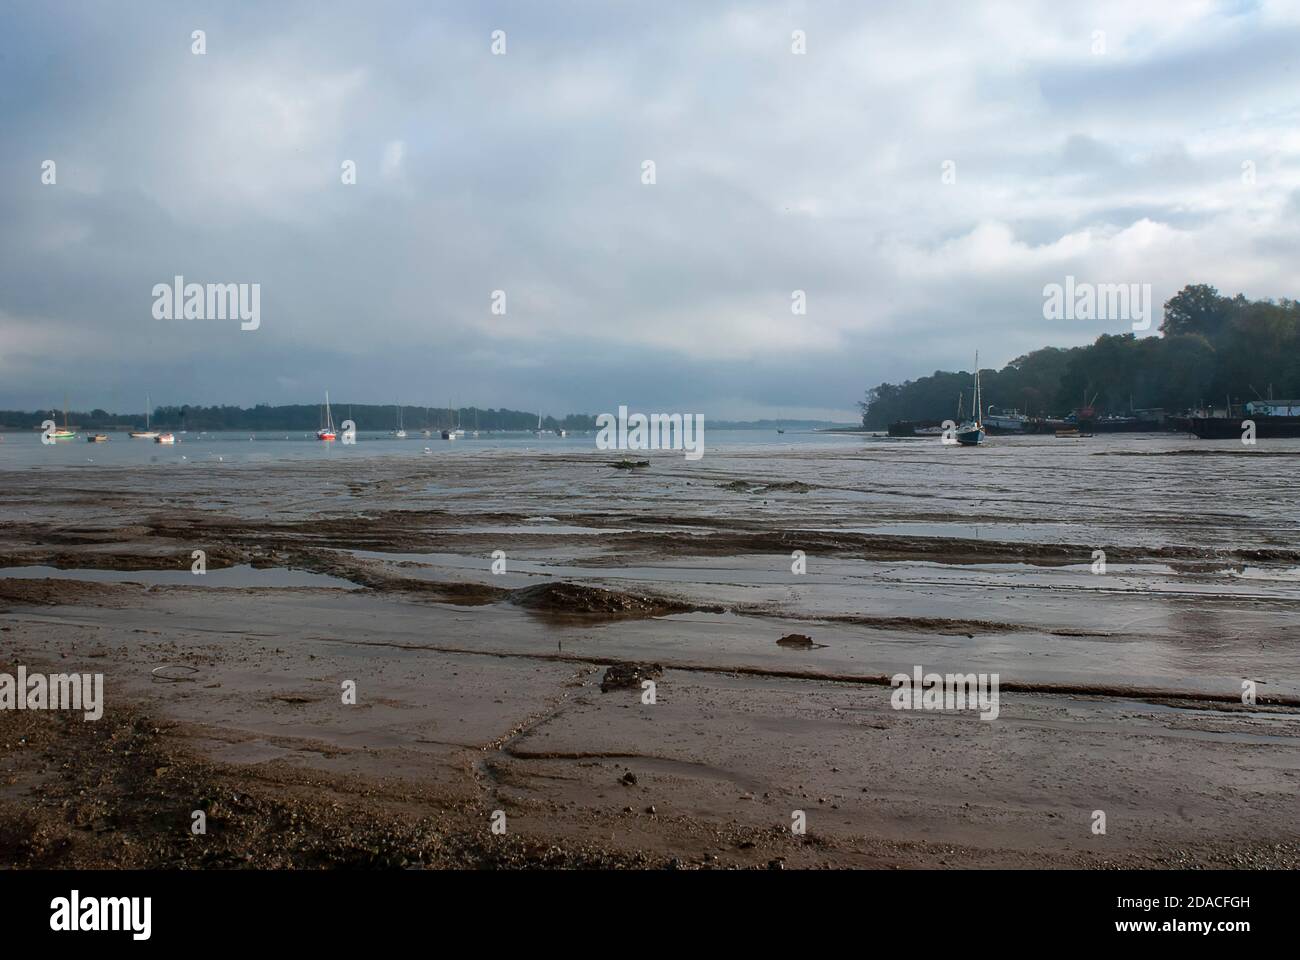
point(479, 688)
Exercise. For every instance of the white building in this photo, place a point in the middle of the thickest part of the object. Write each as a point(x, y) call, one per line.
point(1274, 408)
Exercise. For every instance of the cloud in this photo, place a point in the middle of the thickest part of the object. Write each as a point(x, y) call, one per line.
point(391, 165)
point(776, 172)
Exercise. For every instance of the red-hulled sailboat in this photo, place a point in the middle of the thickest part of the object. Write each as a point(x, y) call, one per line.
point(327, 432)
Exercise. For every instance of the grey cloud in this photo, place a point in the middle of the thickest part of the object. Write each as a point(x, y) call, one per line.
point(521, 173)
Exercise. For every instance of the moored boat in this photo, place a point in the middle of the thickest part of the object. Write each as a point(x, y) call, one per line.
point(1005, 422)
point(146, 433)
point(1234, 428)
point(327, 431)
point(65, 433)
point(165, 438)
point(916, 428)
point(970, 433)
point(453, 433)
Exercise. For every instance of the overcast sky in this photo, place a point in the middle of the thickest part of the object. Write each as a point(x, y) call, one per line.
point(476, 172)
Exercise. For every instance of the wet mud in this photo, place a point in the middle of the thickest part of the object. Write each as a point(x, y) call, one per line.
point(1121, 676)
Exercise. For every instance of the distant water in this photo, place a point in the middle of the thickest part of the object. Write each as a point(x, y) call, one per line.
point(20, 450)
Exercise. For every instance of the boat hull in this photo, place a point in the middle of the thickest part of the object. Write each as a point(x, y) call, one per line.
point(1232, 428)
point(1124, 425)
point(970, 438)
point(1005, 426)
point(915, 428)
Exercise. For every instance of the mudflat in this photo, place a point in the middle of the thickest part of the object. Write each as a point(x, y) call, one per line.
point(497, 614)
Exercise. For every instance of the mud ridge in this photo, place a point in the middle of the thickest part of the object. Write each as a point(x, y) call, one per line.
point(564, 600)
point(1109, 691)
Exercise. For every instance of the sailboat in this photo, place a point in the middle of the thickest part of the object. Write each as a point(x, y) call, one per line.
point(452, 433)
point(971, 431)
point(399, 433)
point(65, 433)
point(146, 433)
point(539, 431)
point(327, 431)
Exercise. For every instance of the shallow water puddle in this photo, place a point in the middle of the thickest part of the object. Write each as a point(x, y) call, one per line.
point(242, 575)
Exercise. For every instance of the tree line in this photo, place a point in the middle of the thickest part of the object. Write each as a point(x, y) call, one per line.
point(1211, 347)
point(305, 417)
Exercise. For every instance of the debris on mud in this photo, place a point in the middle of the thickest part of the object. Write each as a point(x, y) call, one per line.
point(629, 464)
point(565, 599)
point(622, 675)
point(798, 641)
point(751, 486)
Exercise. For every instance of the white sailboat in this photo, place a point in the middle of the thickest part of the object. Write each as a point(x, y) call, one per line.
point(399, 433)
point(452, 433)
point(146, 433)
point(65, 433)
